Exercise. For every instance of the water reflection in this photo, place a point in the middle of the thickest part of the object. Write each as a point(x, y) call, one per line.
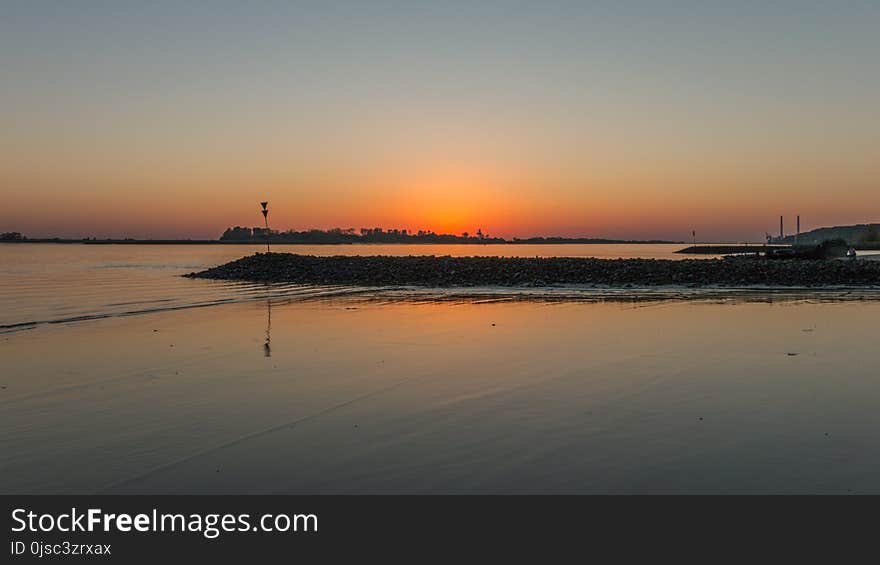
point(267, 346)
point(490, 397)
point(55, 283)
point(46, 284)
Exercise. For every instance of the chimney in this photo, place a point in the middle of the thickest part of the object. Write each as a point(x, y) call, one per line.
point(781, 232)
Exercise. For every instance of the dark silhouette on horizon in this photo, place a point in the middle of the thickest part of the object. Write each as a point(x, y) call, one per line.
point(379, 235)
point(862, 235)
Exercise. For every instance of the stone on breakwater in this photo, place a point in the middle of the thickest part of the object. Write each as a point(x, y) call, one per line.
point(433, 271)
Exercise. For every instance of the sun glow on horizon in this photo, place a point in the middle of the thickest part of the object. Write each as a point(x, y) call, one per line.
point(590, 120)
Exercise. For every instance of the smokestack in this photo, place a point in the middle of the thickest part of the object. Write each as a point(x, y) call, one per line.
point(798, 233)
point(781, 232)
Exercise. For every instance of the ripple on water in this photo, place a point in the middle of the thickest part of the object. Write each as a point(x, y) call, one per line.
point(47, 284)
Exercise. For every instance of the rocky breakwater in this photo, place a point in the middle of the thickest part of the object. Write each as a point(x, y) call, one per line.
point(432, 271)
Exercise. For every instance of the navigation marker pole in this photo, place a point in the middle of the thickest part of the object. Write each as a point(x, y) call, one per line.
point(266, 219)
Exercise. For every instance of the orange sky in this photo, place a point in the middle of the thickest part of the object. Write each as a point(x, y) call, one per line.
point(618, 196)
point(625, 120)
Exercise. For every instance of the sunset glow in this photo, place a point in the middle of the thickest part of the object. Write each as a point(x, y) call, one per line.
point(617, 120)
point(482, 265)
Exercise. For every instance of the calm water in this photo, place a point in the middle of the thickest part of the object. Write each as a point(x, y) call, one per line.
point(311, 390)
point(54, 283)
point(51, 282)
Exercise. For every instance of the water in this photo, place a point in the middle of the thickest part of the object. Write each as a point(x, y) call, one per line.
point(320, 390)
point(55, 283)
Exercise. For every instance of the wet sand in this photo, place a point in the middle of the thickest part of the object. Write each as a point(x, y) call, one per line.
point(351, 396)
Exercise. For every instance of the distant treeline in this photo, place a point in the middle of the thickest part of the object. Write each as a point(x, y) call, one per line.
point(350, 235)
point(380, 235)
point(244, 235)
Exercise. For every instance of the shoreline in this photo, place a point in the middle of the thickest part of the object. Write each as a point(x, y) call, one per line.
point(355, 298)
point(447, 271)
point(328, 243)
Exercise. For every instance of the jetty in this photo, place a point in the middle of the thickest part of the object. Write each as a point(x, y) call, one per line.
point(446, 271)
point(742, 249)
point(831, 249)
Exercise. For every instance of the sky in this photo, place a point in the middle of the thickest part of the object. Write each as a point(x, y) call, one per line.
point(600, 119)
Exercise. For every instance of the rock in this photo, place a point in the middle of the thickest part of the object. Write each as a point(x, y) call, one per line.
point(519, 271)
